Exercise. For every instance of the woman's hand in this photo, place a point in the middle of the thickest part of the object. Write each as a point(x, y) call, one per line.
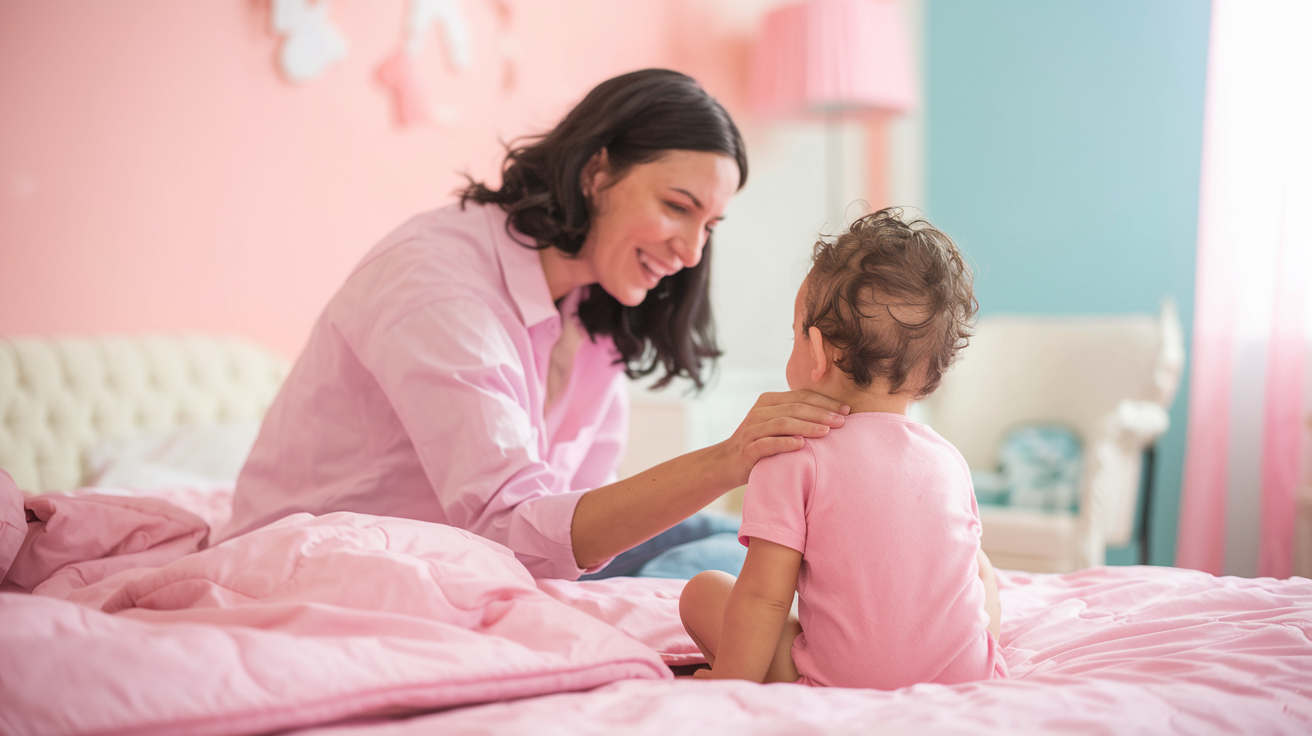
point(777, 423)
point(613, 518)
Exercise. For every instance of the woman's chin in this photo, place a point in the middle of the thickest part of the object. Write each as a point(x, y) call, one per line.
point(628, 295)
point(634, 298)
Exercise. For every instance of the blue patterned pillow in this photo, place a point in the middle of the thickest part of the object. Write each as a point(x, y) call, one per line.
point(1039, 467)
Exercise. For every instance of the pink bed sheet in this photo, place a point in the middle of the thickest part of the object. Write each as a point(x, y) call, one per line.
point(1105, 651)
point(134, 628)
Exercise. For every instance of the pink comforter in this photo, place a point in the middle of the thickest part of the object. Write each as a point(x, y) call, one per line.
point(307, 621)
point(345, 616)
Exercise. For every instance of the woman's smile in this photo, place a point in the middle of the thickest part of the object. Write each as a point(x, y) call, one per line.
point(653, 269)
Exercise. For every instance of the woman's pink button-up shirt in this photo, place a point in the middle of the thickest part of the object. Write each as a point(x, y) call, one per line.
point(422, 393)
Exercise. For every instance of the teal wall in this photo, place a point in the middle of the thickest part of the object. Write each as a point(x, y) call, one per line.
point(1063, 146)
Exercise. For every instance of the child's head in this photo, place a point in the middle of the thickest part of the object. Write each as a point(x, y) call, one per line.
point(892, 301)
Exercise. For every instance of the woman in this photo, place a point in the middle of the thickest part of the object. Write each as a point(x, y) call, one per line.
point(471, 370)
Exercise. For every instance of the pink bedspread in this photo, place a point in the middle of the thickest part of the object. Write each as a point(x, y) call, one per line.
point(1105, 651)
point(307, 621)
point(316, 620)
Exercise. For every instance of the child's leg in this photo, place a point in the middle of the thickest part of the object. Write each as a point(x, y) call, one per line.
point(992, 604)
point(701, 606)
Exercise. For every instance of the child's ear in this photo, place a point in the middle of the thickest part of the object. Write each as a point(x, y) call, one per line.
point(819, 357)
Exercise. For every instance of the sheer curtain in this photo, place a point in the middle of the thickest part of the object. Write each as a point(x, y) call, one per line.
point(1252, 321)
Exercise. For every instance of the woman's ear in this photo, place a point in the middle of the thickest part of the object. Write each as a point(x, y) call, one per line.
point(819, 357)
point(595, 172)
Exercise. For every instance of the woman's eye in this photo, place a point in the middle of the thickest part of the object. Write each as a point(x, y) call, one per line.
point(677, 208)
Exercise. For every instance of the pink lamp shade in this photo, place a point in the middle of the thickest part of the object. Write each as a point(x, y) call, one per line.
point(833, 57)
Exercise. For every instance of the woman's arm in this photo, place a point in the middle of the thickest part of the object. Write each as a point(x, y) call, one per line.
point(613, 518)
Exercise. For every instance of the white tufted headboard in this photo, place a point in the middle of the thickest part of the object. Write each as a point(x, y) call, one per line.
point(60, 397)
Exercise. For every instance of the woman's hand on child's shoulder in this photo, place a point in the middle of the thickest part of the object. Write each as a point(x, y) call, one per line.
point(777, 423)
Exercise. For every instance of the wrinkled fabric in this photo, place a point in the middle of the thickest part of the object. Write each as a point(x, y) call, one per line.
point(423, 393)
point(370, 623)
point(646, 609)
point(1109, 651)
point(13, 522)
point(76, 541)
point(307, 620)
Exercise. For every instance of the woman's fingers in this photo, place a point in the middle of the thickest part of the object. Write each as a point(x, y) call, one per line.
point(795, 410)
point(803, 396)
point(785, 426)
point(767, 446)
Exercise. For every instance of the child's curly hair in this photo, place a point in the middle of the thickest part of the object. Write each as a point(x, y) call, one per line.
point(895, 298)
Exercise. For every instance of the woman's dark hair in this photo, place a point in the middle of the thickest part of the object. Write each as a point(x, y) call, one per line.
point(896, 299)
point(637, 117)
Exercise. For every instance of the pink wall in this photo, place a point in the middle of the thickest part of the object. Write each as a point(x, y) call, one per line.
point(156, 173)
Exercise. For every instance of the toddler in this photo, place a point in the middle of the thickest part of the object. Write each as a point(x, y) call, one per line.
point(874, 525)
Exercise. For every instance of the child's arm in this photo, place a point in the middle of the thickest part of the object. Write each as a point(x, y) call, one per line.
point(992, 605)
point(755, 613)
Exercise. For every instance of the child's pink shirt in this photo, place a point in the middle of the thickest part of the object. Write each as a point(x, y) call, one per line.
point(883, 512)
point(422, 393)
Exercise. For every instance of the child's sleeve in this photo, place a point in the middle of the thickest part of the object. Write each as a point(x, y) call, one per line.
point(778, 494)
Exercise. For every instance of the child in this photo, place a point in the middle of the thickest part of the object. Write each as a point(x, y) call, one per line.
point(874, 524)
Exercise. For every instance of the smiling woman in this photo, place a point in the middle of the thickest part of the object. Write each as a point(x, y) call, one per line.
point(648, 225)
point(471, 369)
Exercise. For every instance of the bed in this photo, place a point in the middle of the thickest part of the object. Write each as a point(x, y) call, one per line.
point(117, 617)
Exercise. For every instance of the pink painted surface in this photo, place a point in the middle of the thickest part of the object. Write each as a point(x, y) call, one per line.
point(157, 173)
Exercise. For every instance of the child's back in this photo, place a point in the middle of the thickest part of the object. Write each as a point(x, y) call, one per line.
point(889, 590)
point(873, 525)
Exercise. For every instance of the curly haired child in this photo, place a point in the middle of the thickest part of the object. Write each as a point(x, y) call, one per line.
point(874, 524)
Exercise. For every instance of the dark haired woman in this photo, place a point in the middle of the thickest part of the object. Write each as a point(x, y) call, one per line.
point(471, 370)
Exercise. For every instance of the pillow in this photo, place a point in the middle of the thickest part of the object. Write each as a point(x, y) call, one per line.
point(204, 456)
point(1039, 468)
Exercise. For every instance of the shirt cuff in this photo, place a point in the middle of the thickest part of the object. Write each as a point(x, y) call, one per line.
point(779, 535)
point(540, 536)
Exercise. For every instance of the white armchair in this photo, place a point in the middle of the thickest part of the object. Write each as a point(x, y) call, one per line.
point(1109, 379)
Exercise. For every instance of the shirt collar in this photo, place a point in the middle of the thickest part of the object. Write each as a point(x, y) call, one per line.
point(522, 269)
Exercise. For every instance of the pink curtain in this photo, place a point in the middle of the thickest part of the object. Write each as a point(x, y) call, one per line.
point(1251, 317)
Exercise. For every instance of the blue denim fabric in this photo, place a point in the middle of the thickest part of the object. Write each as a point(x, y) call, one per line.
point(689, 533)
point(716, 552)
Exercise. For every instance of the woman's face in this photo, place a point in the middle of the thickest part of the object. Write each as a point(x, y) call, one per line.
point(654, 220)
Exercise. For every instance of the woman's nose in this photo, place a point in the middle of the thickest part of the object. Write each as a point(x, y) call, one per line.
point(687, 246)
